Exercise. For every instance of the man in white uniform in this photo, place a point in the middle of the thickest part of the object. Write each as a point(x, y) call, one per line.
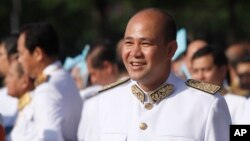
point(103, 70)
point(8, 104)
point(209, 64)
point(154, 105)
point(243, 71)
point(55, 108)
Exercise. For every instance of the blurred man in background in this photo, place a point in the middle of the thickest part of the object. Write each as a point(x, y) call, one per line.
point(234, 53)
point(209, 64)
point(8, 104)
point(101, 62)
point(56, 102)
point(243, 71)
point(20, 86)
point(103, 69)
point(191, 49)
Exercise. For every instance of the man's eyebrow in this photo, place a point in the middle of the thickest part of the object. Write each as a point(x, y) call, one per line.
point(128, 38)
point(143, 39)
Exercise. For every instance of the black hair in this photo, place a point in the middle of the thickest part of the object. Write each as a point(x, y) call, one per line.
point(10, 44)
point(217, 54)
point(41, 35)
point(100, 51)
point(243, 59)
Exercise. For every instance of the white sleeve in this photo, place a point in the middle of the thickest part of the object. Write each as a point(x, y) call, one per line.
point(244, 114)
point(218, 122)
point(48, 115)
point(81, 126)
point(89, 128)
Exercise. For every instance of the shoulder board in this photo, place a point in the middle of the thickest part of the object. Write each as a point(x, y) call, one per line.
point(206, 87)
point(112, 85)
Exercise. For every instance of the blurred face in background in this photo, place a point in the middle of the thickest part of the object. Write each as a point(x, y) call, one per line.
point(204, 69)
point(192, 48)
point(243, 71)
point(3, 60)
point(27, 60)
point(15, 81)
point(99, 76)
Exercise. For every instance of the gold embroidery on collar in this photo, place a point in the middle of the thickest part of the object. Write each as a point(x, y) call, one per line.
point(23, 101)
point(156, 96)
point(138, 93)
point(40, 79)
point(161, 93)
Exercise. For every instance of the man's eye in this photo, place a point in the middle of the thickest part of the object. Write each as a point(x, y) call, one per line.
point(128, 43)
point(146, 44)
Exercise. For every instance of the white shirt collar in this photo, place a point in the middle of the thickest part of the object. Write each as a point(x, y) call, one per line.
point(52, 67)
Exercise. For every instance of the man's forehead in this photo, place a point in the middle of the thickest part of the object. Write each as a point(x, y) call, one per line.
point(244, 67)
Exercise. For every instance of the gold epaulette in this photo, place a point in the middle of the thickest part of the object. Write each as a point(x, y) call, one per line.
point(206, 87)
point(112, 85)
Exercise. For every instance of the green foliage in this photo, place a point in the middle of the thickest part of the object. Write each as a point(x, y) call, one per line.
point(5, 10)
point(81, 21)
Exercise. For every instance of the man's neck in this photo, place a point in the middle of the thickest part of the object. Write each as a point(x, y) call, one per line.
point(44, 64)
point(153, 85)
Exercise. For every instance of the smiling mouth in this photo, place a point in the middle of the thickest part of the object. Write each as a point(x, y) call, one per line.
point(137, 65)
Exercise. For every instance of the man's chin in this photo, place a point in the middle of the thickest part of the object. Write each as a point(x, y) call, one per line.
point(137, 78)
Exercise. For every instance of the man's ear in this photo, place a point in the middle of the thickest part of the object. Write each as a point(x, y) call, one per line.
point(171, 47)
point(107, 66)
point(38, 54)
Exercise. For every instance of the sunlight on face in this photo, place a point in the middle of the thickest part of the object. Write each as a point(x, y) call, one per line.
point(243, 71)
point(145, 53)
point(204, 69)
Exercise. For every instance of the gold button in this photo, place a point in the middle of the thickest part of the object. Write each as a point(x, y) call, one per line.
point(143, 126)
point(148, 106)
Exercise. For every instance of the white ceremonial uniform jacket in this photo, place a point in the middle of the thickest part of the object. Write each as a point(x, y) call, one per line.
point(89, 91)
point(243, 117)
point(187, 114)
point(23, 129)
point(55, 109)
point(234, 103)
point(8, 108)
point(86, 94)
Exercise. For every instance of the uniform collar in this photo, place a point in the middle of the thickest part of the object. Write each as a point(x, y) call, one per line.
point(24, 101)
point(156, 95)
point(52, 67)
point(45, 75)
